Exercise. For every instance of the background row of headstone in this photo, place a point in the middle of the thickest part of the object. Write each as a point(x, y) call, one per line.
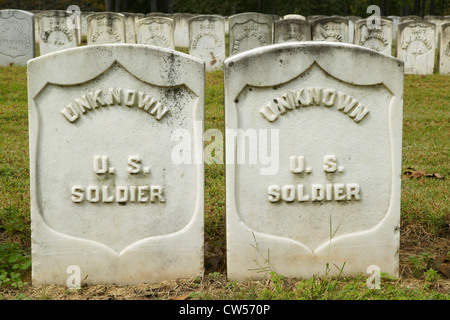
point(205, 35)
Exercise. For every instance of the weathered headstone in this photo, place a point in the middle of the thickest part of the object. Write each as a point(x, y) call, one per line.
point(156, 31)
point(158, 14)
point(313, 160)
point(416, 46)
point(130, 31)
point(395, 21)
point(410, 18)
point(374, 36)
point(288, 30)
point(55, 32)
point(181, 29)
point(16, 37)
point(207, 40)
point(294, 16)
point(84, 14)
point(110, 197)
point(444, 48)
point(437, 20)
point(249, 30)
point(332, 29)
point(106, 27)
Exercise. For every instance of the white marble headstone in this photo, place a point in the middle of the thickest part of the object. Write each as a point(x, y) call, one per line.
point(416, 46)
point(248, 31)
point(56, 32)
point(207, 40)
point(109, 195)
point(376, 36)
point(313, 160)
point(130, 28)
point(288, 30)
point(331, 29)
point(181, 29)
point(294, 16)
point(156, 31)
point(444, 48)
point(16, 37)
point(105, 27)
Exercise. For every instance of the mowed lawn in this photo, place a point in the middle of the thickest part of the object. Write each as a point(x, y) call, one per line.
point(425, 216)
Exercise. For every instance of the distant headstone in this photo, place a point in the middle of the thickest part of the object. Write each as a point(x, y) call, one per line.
point(138, 16)
point(314, 17)
point(416, 46)
point(395, 21)
point(130, 31)
point(55, 32)
point(444, 48)
point(288, 30)
point(157, 14)
point(36, 24)
point(332, 29)
point(313, 160)
point(84, 14)
point(16, 37)
point(294, 16)
point(156, 31)
point(377, 37)
point(207, 40)
point(106, 27)
point(110, 196)
point(181, 29)
point(437, 20)
point(410, 18)
point(249, 30)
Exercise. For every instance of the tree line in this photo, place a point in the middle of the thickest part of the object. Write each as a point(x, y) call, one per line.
point(230, 7)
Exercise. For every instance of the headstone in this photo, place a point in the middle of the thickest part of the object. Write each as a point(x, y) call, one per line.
point(416, 46)
point(291, 30)
point(157, 14)
point(16, 37)
point(55, 33)
point(84, 14)
point(207, 40)
point(377, 37)
point(249, 30)
point(314, 17)
point(332, 29)
point(410, 18)
point(110, 196)
point(106, 27)
point(437, 20)
point(351, 27)
point(156, 31)
point(444, 48)
point(130, 31)
point(313, 160)
point(138, 16)
point(36, 24)
point(395, 22)
point(294, 16)
point(181, 29)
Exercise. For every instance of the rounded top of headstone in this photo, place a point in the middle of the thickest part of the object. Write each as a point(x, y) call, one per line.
point(358, 60)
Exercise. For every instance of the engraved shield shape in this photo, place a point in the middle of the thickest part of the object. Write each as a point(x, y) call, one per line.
point(15, 37)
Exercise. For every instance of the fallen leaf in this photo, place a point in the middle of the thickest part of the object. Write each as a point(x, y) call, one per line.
point(416, 174)
point(442, 264)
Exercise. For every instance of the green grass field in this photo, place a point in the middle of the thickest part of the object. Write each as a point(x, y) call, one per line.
point(425, 216)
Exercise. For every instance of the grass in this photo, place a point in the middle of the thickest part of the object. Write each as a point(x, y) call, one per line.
point(424, 211)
